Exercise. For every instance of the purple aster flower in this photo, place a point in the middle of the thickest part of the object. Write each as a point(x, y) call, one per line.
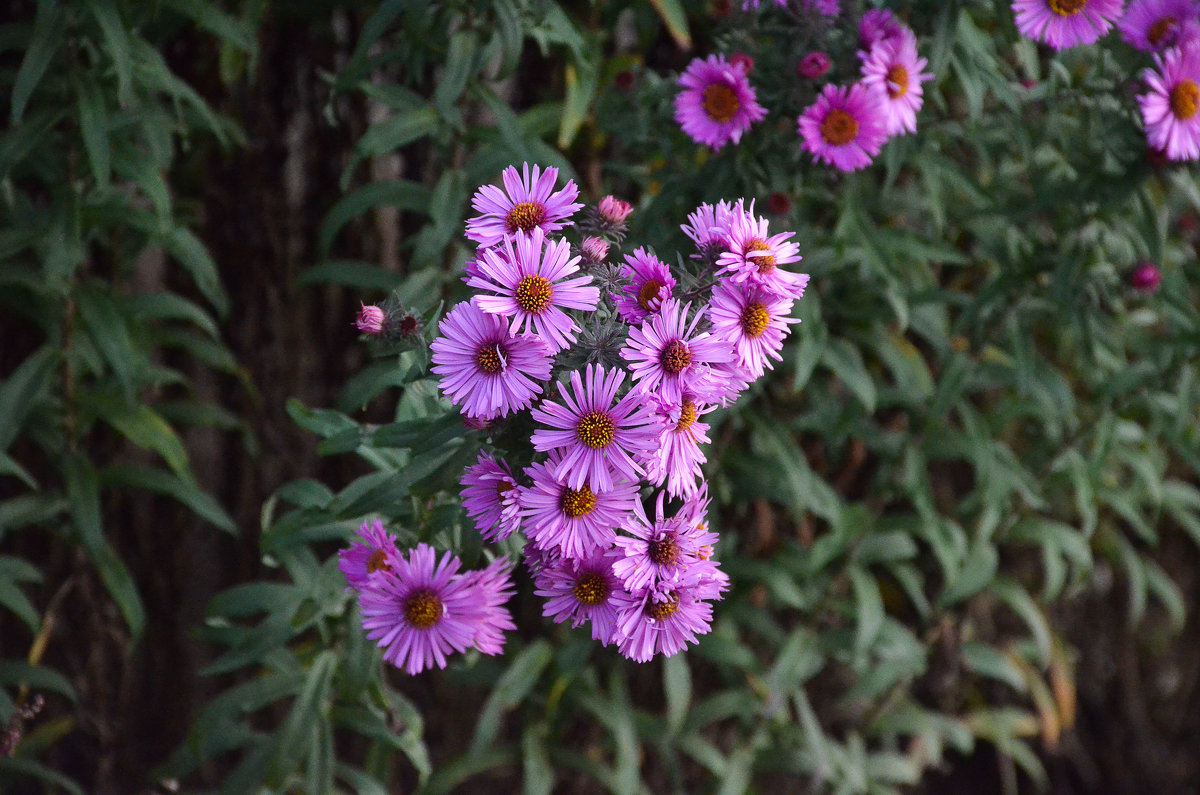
point(581, 590)
point(668, 356)
point(574, 521)
point(1154, 25)
point(876, 25)
point(1144, 278)
point(845, 127)
point(1066, 23)
point(663, 619)
point(526, 203)
point(358, 561)
point(528, 276)
point(893, 69)
point(598, 434)
point(826, 8)
point(419, 611)
point(717, 103)
point(678, 457)
point(484, 368)
point(650, 283)
point(1170, 108)
point(813, 65)
point(665, 549)
point(490, 496)
point(493, 588)
point(537, 559)
point(370, 319)
point(753, 320)
point(708, 226)
point(753, 256)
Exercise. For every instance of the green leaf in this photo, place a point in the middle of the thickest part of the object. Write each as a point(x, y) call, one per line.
point(106, 326)
point(20, 392)
point(868, 607)
point(144, 427)
point(677, 687)
point(191, 254)
point(396, 193)
point(116, 41)
point(29, 767)
point(287, 749)
point(845, 361)
point(460, 65)
point(50, 23)
point(93, 126)
point(509, 691)
point(394, 132)
point(210, 17)
point(675, 18)
point(18, 673)
point(351, 273)
point(581, 79)
point(975, 574)
point(186, 491)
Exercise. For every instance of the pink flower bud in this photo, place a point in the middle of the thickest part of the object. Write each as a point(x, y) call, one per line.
point(740, 60)
point(1145, 277)
point(594, 249)
point(370, 319)
point(813, 65)
point(614, 211)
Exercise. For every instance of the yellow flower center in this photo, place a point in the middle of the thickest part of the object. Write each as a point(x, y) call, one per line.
point(687, 415)
point(596, 429)
point(648, 293)
point(592, 589)
point(720, 102)
point(676, 357)
point(838, 127)
point(659, 611)
point(533, 294)
point(1066, 8)
point(577, 503)
point(377, 562)
point(664, 551)
point(490, 359)
point(754, 319)
point(1185, 99)
point(525, 216)
point(1160, 30)
point(423, 609)
point(765, 264)
point(897, 81)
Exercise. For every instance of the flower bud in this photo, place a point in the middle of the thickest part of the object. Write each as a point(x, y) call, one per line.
point(813, 65)
point(370, 320)
point(614, 211)
point(1145, 277)
point(740, 60)
point(594, 249)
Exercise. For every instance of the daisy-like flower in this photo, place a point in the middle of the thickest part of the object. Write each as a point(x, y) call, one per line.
point(753, 256)
point(845, 127)
point(574, 521)
point(359, 561)
point(1154, 25)
point(599, 436)
point(418, 611)
point(668, 356)
point(493, 587)
point(717, 104)
point(677, 459)
point(581, 590)
point(1066, 23)
point(708, 227)
point(876, 25)
point(893, 69)
point(663, 619)
point(484, 368)
point(753, 320)
point(528, 276)
point(527, 202)
point(650, 283)
point(662, 550)
point(490, 496)
point(1170, 108)
point(826, 8)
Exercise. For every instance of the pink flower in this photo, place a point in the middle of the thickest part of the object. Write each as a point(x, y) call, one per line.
point(490, 496)
point(359, 561)
point(1066, 23)
point(717, 104)
point(661, 550)
point(668, 357)
point(1152, 25)
point(893, 69)
point(574, 521)
point(527, 275)
point(845, 127)
point(1145, 277)
point(754, 321)
point(753, 256)
point(876, 25)
point(1171, 108)
point(650, 283)
point(527, 203)
point(813, 65)
point(663, 619)
point(493, 588)
point(599, 435)
point(484, 368)
point(370, 319)
point(708, 226)
point(614, 211)
point(581, 590)
point(826, 8)
point(677, 459)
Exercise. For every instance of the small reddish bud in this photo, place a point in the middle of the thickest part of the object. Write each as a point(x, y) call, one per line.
point(1145, 277)
point(740, 60)
point(779, 203)
point(370, 319)
point(813, 65)
point(722, 8)
point(623, 80)
point(614, 211)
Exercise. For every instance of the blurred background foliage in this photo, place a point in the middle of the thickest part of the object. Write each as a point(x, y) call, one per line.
point(961, 517)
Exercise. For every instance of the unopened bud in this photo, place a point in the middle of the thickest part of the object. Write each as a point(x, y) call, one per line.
point(614, 211)
point(813, 65)
point(1145, 277)
point(370, 320)
point(595, 249)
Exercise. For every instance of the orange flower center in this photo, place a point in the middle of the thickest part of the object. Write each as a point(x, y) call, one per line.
point(1185, 99)
point(377, 562)
point(592, 589)
point(596, 429)
point(423, 609)
point(577, 503)
point(838, 127)
point(525, 216)
point(766, 263)
point(720, 103)
point(676, 357)
point(1066, 8)
point(897, 81)
point(664, 551)
point(1160, 30)
point(648, 293)
point(533, 294)
point(490, 359)
point(659, 611)
point(687, 415)
point(502, 488)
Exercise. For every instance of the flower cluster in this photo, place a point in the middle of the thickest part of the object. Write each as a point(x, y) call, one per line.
point(612, 433)
point(1169, 29)
point(846, 126)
